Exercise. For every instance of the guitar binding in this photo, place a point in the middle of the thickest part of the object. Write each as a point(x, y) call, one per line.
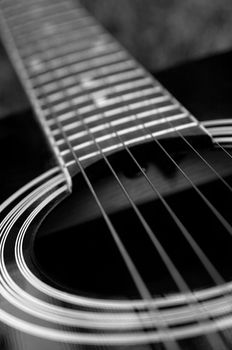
point(220, 130)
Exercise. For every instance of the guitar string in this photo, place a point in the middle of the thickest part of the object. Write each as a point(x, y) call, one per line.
point(213, 339)
point(217, 278)
point(114, 174)
point(223, 149)
point(215, 343)
point(215, 212)
point(134, 273)
point(139, 283)
point(179, 133)
point(170, 344)
point(130, 265)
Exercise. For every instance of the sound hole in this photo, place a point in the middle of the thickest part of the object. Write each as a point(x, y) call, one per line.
point(74, 249)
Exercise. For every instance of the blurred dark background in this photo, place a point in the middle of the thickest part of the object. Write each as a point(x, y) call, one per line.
point(159, 33)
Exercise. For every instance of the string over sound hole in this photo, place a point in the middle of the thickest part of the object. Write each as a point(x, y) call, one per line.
point(87, 262)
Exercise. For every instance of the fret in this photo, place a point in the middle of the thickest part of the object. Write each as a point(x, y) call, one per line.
point(50, 28)
point(162, 113)
point(111, 91)
point(77, 68)
point(58, 17)
point(75, 56)
point(103, 101)
point(109, 125)
point(87, 76)
point(77, 75)
point(20, 4)
point(98, 101)
point(58, 31)
point(53, 43)
point(14, 14)
point(132, 142)
point(72, 60)
point(17, 7)
point(69, 46)
point(136, 104)
point(128, 86)
point(92, 83)
point(49, 36)
point(110, 75)
point(19, 10)
point(87, 110)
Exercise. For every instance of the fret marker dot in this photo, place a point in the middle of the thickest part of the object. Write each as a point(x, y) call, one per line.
point(36, 65)
point(87, 81)
point(99, 99)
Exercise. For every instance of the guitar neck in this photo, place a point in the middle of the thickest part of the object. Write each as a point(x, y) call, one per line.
point(89, 95)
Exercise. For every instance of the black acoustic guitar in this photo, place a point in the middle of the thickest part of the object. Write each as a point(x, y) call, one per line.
point(117, 232)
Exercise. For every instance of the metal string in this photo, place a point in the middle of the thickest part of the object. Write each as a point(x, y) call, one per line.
point(203, 159)
point(164, 256)
point(131, 201)
point(210, 268)
point(169, 264)
point(170, 343)
point(138, 281)
point(219, 216)
point(223, 149)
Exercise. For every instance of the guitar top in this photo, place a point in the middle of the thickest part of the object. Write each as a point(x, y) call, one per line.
point(115, 220)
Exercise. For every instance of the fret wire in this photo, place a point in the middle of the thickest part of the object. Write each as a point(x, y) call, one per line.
point(156, 100)
point(15, 19)
point(14, 4)
point(127, 131)
point(132, 106)
point(52, 42)
point(47, 30)
point(116, 123)
point(82, 98)
point(10, 45)
point(62, 50)
point(109, 114)
point(116, 85)
point(111, 68)
point(82, 68)
point(75, 56)
point(63, 73)
point(113, 78)
point(77, 101)
point(68, 26)
point(134, 141)
point(76, 91)
point(89, 109)
point(98, 82)
point(87, 57)
point(17, 7)
point(104, 102)
point(68, 14)
point(13, 14)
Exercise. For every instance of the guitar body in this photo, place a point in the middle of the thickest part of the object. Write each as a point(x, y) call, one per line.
point(115, 223)
point(59, 269)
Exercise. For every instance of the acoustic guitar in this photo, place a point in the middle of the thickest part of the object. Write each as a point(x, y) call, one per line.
point(117, 232)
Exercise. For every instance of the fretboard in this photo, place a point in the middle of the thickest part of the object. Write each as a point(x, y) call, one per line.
point(89, 95)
